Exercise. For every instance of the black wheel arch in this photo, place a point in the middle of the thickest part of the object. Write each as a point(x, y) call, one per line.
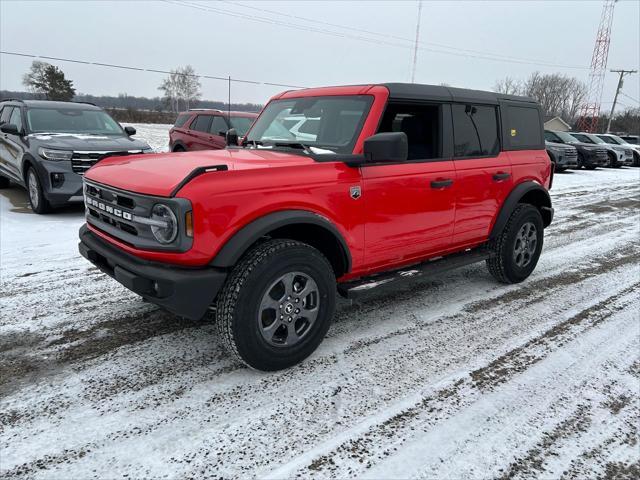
point(302, 225)
point(178, 143)
point(527, 192)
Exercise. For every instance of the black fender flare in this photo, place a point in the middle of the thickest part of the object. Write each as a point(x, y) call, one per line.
point(529, 188)
point(242, 240)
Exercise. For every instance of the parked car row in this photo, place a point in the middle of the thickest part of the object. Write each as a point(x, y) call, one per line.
point(580, 149)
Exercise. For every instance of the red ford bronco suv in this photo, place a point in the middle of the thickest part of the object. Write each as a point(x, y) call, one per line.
point(394, 181)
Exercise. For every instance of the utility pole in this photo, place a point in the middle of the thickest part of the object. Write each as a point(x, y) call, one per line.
point(415, 47)
point(615, 98)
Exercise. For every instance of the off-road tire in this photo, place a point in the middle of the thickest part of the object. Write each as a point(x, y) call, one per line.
point(238, 303)
point(179, 148)
point(502, 264)
point(42, 206)
point(4, 182)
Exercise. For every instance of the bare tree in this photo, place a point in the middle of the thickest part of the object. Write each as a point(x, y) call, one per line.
point(508, 86)
point(182, 84)
point(559, 95)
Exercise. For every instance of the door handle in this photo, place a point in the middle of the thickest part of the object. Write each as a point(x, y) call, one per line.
point(441, 183)
point(500, 176)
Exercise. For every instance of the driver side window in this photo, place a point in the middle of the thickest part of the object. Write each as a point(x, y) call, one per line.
point(16, 117)
point(421, 124)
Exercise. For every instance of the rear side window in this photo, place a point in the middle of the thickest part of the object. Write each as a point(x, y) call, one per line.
point(201, 123)
point(181, 120)
point(218, 126)
point(524, 127)
point(475, 131)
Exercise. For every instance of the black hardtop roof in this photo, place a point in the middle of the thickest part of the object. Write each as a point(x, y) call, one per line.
point(415, 91)
point(54, 104)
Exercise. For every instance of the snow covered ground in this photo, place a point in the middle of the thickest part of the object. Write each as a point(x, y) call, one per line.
point(454, 376)
point(156, 135)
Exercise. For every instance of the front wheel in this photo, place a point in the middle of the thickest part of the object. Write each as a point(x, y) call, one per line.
point(517, 249)
point(276, 305)
point(39, 203)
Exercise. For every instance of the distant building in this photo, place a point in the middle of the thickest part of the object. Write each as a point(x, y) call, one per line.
point(557, 124)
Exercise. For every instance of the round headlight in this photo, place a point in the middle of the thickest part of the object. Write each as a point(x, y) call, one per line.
point(168, 232)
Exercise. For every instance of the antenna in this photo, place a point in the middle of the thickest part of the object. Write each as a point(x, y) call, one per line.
point(415, 47)
point(590, 111)
point(229, 102)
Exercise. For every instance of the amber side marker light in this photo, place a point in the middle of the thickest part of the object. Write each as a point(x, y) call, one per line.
point(188, 224)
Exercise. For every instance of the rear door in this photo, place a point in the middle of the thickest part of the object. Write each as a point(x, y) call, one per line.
point(483, 172)
point(410, 206)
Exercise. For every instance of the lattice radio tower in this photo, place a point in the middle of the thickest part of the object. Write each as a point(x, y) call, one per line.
point(590, 111)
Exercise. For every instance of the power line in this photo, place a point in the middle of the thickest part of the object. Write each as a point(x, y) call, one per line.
point(395, 37)
point(629, 97)
point(308, 28)
point(152, 70)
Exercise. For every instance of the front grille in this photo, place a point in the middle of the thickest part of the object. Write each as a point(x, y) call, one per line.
point(126, 216)
point(571, 153)
point(83, 161)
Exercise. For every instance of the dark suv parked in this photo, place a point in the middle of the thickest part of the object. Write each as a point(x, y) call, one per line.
point(562, 156)
point(590, 156)
point(205, 129)
point(47, 146)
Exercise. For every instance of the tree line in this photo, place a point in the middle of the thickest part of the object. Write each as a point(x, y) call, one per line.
point(562, 96)
point(181, 91)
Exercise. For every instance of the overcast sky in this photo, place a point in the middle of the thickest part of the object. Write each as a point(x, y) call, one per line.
point(223, 38)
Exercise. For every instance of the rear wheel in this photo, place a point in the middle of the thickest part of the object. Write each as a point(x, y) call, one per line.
point(39, 204)
point(517, 249)
point(178, 148)
point(276, 305)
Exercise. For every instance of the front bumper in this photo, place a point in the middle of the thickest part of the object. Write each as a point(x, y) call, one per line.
point(68, 186)
point(187, 292)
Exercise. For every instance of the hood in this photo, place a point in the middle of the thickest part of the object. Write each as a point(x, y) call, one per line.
point(585, 145)
point(159, 174)
point(559, 145)
point(63, 141)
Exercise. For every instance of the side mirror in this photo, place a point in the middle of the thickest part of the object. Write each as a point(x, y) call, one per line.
point(10, 128)
point(129, 131)
point(231, 137)
point(386, 147)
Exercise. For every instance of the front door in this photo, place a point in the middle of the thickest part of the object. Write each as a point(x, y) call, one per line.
point(410, 206)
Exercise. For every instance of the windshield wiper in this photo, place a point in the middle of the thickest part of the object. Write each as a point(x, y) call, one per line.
point(294, 145)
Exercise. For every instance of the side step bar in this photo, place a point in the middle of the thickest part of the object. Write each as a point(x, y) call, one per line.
point(357, 288)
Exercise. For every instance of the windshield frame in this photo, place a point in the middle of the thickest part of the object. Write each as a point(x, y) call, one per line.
point(29, 129)
point(334, 149)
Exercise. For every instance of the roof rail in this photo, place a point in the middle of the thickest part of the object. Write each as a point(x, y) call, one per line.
point(204, 109)
point(87, 103)
point(12, 100)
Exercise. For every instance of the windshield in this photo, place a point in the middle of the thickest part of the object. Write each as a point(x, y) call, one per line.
point(608, 139)
point(566, 137)
point(583, 137)
point(72, 120)
point(241, 124)
point(330, 123)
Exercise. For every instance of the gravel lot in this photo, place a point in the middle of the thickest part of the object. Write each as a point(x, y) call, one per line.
point(451, 377)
